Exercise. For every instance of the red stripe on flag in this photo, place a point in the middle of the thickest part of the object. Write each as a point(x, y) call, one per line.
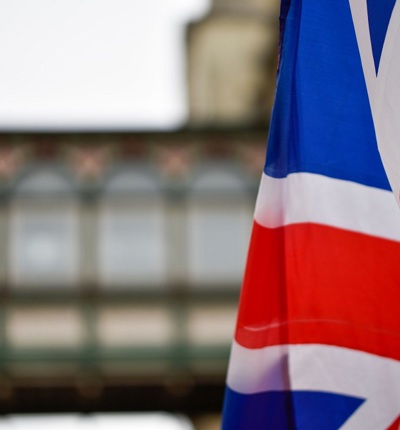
point(395, 425)
point(308, 283)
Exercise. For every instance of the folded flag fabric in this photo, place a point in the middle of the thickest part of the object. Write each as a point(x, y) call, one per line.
point(317, 342)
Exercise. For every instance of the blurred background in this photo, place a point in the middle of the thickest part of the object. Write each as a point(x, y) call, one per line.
point(132, 141)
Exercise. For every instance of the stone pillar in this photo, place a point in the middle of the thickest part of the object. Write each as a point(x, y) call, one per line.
point(231, 67)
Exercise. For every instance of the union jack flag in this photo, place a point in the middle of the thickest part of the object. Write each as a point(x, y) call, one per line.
point(317, 342)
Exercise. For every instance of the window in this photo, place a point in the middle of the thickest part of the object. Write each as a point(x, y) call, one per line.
point(218, 227)
point(44, 245)
point(132, 246)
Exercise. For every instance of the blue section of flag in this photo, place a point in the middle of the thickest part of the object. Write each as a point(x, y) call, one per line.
point(379, 14)
point(322, 122)
point(275, 410)
point(285, 6)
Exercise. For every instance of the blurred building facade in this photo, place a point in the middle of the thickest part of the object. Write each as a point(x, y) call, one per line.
point(232, 59)
point(122, 254)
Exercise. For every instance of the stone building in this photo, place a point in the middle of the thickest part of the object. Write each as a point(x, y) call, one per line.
point(122, 253)
point(231, 64)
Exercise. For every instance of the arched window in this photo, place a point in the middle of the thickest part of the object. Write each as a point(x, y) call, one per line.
point(132, 248)
point(219, 222)
point(44, 230)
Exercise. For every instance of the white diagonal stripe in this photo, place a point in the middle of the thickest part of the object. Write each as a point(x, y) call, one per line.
point(384, 88)
point(359, 13)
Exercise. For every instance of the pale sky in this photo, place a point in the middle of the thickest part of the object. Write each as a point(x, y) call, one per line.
point(94, 64)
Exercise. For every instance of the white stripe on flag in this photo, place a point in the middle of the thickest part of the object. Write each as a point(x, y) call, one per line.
point(312, 198)
point(257, 370)
point(383, 88)
point(322, 368)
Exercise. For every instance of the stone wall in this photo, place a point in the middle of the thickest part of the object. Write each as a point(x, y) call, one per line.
point(231, 64)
